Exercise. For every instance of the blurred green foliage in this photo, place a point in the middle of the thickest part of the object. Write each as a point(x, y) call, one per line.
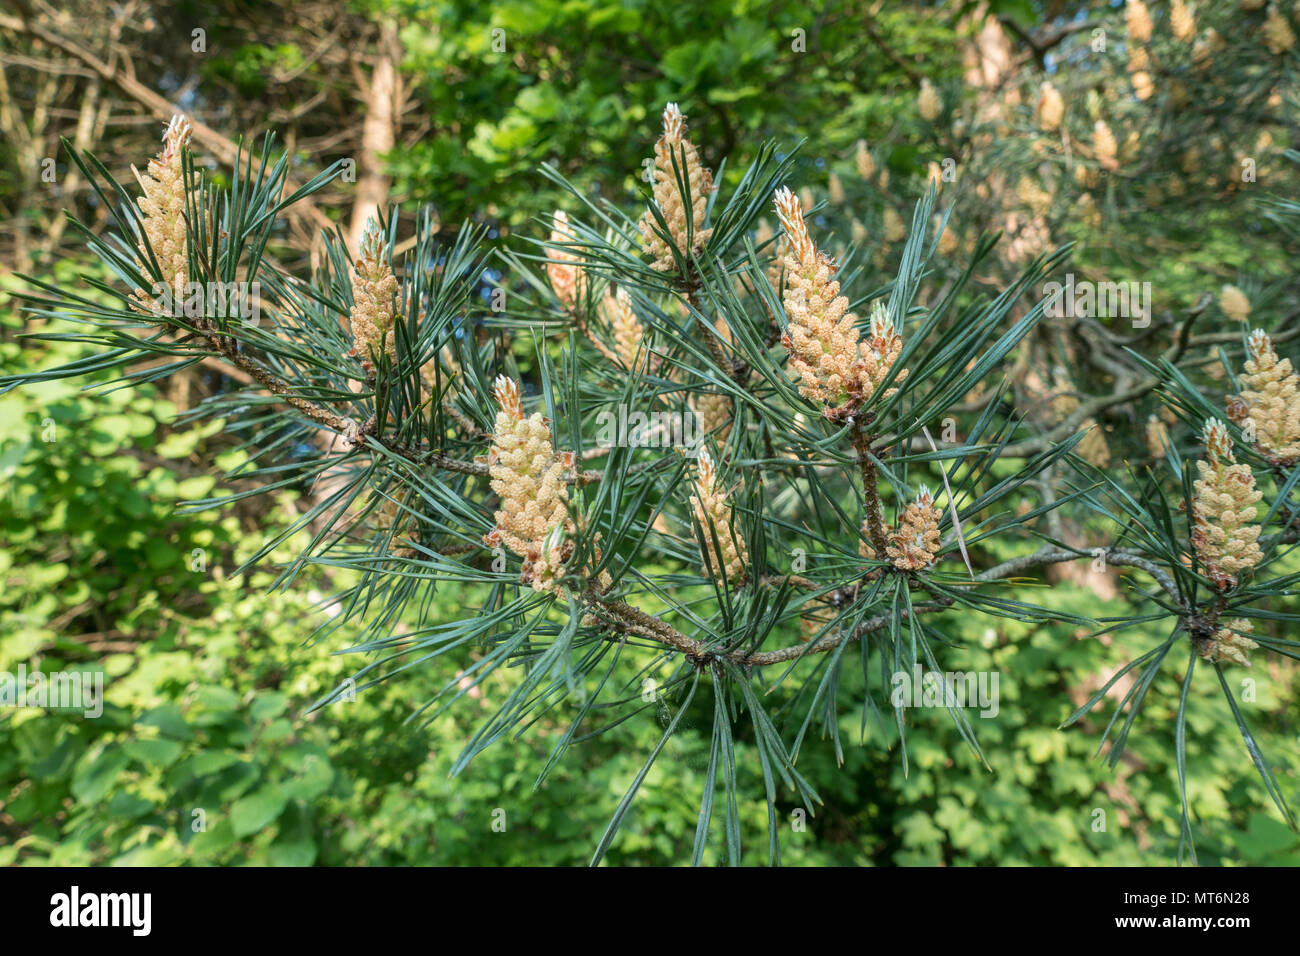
point(580, 83)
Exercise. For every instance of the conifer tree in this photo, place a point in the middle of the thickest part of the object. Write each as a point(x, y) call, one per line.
point(803, 520)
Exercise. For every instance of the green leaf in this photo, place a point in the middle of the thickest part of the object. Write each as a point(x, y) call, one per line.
point(98, 773)
point(257, 811)
point(157, 751)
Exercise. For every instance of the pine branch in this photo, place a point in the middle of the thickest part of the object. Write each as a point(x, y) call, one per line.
point(700, 653)
point(1007, 569)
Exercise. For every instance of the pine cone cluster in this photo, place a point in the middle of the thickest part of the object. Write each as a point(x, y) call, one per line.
point(374, 289)
point(162, 209)
point(529, 480)
point(628, 331)
point(1229, 645)
point(1223, 510)
point(676, 157)
point(563, 267)
point(1269, 400)
point(834, 364)
point(913, 546)
point(714, 517)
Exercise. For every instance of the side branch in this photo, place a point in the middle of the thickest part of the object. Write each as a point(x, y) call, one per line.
point(346, 426)
point(634, 620)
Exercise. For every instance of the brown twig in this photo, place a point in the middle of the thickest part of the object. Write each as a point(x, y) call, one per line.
point(635, 620)
point(223, 148)
point(862, 439)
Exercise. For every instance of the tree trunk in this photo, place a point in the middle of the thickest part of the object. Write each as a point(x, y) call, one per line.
point(379, 134)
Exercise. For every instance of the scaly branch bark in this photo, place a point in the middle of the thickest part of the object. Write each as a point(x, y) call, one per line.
point(870, 487)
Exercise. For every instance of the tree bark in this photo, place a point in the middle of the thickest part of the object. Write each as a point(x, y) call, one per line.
point(381, 97)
